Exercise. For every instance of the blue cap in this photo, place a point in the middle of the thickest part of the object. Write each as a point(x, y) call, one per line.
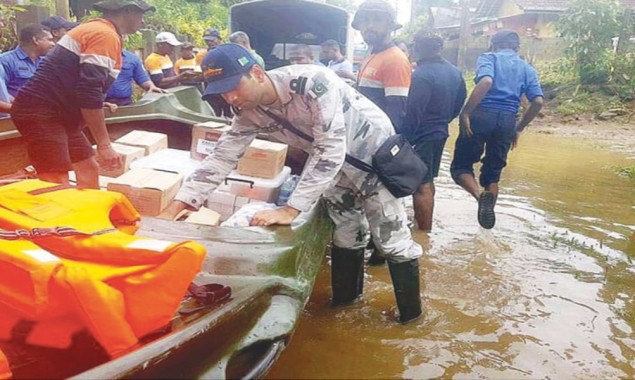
point(223, 66)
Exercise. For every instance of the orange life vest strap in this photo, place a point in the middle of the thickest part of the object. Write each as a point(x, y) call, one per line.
point(35, 233)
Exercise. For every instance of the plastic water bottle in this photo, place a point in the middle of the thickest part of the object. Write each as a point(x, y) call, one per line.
point(286, 189)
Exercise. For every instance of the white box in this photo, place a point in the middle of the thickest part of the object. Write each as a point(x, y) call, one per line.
point(150, 141)
point(169, 160)
point(255, 188)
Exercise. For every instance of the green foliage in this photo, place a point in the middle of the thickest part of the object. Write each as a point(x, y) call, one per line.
point(588, 26)
point(188, 18)
point(9, 36)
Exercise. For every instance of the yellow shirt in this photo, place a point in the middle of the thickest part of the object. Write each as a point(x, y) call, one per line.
point(185, 65)
point(200, 55)
point(158, 64)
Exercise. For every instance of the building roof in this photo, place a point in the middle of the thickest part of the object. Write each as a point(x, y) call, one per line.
point(489, 8)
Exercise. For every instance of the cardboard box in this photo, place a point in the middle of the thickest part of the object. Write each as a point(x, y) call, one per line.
point(129, 154)
point(150, 141)
point(226, 204)
point(263, 159)
point(204, 137)
point(150, 191)
point(169, 160)
point(204, 216)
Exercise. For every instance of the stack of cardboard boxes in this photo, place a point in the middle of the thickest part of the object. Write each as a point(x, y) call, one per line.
point(150, 191)
point(151, 174)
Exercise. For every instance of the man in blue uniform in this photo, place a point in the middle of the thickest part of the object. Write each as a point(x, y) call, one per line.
point(488, 120)
point(120, 93)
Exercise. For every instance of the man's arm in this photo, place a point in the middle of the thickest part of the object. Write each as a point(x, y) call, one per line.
point(460, 99)
point(418, 99)
point(329, 152)
point(482, 88)
point(396, 80)
point(97, 65)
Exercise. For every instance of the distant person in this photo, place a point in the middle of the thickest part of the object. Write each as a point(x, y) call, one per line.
point(488, 120)
point(58, 26)
point(5, 98)
point(159, 64)
point(120, 93)
point(384, 76)
point(436, 96)
point(66, 95)
point(336, 60)
point(241, 38)
point(187, 61)
point(21, 63)
point(301, 54)
point(212, 39)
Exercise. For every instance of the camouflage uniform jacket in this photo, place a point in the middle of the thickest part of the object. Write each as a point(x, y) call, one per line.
point(316, 101)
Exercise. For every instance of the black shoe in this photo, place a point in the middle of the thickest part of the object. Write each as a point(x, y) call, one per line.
point(486, 215)
point(405, 280)
point(347, 275)
point(375, 260)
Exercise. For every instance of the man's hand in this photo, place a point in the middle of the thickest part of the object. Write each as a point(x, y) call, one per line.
point(156, 89)
point(112, 107)
point(281, 215)
point(171, 212)
point(108, 158)
point(464, 124)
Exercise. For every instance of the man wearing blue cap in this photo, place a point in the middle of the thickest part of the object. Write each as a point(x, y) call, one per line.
point(331, 120)
point(488, 120)
point(58, 26)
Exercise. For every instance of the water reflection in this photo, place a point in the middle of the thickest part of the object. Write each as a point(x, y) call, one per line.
point(548, 293)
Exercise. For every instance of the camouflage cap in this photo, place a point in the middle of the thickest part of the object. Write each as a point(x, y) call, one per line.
point(114, 5)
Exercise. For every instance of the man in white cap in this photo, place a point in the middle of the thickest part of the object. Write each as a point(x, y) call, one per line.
point(159, 64)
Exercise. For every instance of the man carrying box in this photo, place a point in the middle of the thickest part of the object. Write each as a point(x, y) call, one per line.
point(67, 93)
point(340, 121)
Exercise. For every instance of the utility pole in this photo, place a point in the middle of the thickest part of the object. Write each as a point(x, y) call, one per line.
point(464, 34)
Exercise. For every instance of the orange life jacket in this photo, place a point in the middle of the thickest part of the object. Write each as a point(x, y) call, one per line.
point(92, 273)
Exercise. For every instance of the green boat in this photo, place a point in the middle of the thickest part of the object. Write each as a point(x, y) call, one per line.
point(271, 272)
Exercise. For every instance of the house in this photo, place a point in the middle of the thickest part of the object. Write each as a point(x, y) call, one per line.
point(530, 18)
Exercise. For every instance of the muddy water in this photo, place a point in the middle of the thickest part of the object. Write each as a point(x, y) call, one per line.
point(548, 293)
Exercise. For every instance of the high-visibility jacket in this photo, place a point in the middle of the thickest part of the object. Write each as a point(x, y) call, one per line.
point(69, 261)
point(5, 370)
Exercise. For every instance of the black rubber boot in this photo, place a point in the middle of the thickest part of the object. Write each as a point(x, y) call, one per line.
point(347, 275)
point(374, 260)
point(405, 280)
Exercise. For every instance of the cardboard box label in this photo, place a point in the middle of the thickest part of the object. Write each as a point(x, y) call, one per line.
point(205, 147)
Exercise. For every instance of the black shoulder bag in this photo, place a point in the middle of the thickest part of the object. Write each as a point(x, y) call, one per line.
point(396, 163)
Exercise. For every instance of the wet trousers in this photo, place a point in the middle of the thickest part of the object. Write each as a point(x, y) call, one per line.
point(355, 214)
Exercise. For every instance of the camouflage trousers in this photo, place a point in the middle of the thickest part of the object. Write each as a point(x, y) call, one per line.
point(355, 212)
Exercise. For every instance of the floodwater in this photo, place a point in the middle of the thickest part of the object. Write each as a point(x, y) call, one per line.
point(548, 293)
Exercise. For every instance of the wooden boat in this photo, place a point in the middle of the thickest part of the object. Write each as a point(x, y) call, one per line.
point(271, 272)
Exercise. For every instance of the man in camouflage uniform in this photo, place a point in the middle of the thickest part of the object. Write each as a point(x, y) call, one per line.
point(339, 120)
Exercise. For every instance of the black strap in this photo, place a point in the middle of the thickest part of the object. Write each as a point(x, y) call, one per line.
point(286, 124)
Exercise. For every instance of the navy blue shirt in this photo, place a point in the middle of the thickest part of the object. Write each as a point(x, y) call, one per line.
point(436, 96)
point(131, 69)
point(19, 68)
point(512, 77)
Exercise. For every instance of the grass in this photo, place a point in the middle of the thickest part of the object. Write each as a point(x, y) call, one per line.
point(625, 171)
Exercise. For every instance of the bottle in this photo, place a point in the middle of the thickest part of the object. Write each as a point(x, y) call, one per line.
point(286, 189)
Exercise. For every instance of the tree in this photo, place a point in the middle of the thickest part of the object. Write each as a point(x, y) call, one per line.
point(588, 27)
